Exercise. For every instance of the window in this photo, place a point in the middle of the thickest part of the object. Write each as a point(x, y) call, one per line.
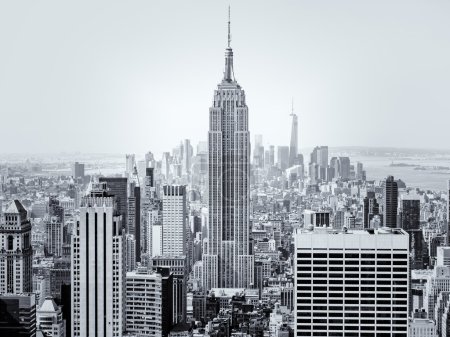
point(10, 242)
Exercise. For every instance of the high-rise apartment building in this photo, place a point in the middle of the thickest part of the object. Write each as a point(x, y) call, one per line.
point(16, 252)
point(228, 261)
point(390, 202)
point(174, 220)
point(148, 302)
point(98, 270)
point(351, 283)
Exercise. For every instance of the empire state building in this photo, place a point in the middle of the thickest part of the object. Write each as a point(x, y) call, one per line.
point(227, 262)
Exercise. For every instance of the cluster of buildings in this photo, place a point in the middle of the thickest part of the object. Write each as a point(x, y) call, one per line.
point(222, 242)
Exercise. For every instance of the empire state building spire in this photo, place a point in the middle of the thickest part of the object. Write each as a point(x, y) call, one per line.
point(228, 75)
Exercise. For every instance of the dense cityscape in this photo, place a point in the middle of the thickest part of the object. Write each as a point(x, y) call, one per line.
point(227, 237)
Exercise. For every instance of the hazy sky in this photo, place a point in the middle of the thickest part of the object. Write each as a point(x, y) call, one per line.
point(133, 76)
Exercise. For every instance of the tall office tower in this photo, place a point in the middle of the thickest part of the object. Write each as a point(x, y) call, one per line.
point(359, 171)
point(50, 319)
point(130, 163)
point(55, 208)
point(98, 271)
point(134, 216)
point(77, 170)
point(267, 159)
point(18, 315)
point(177, 266)
point(313, 171)
point(165, 165)
point(148, 205)
point(370, 209)
point(293, 146)
point(228, 262)
point(16, 252)
point(344, 167)
point(283, 157)
point(335, 166)
point(188, 152)
point(54, 231)
point(271, 155)
point(410, 222)
point(390, 202)
point(149, 302)
point(320, 156)
point(118, 187)
point(174, 215)
point(258, 152)
point(149, 159)
point(351, 283)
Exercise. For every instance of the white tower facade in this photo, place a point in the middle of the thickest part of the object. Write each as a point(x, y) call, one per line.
point(174, 220)
point(227, 261)
point(98, 269)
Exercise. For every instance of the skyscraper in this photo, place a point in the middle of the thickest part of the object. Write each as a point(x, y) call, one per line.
point(174, 216)
point(78, 170)
point(16, 255)
point(370, 208)
point(149, 302)
point(283, 157)
point(187, 157)
point(98, 271)
point(410, 223)
point(130, 162)
point(351, 283)
point(293, 148)
point(54, 239)
point(134, 216)
point(390, 202)
point(118, 187)
point(227, 260)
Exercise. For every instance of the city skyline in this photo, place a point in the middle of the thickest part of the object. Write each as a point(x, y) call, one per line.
point(244, 233)
point(395, 64)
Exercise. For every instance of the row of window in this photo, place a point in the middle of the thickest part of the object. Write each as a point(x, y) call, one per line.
point(352, 255)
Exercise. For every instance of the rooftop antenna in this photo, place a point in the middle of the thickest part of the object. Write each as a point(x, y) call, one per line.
point(229, 24)
point(292, 107)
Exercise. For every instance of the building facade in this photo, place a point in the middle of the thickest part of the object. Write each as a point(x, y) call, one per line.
point(16, 251)
point(350, 283)
point(98, 267)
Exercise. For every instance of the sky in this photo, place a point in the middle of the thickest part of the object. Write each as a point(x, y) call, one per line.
point(137, 76)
